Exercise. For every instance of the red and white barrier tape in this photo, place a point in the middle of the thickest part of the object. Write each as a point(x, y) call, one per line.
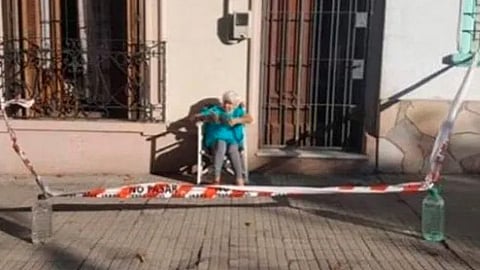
point(440, 146)
point(172, 190)
point(13, 137)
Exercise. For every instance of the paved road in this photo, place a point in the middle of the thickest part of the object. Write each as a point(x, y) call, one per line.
point(315, 232)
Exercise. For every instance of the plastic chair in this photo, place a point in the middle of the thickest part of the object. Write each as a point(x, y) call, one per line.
point(205, 157)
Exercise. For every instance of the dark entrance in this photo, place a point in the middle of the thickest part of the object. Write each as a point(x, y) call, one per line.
point(314, 56)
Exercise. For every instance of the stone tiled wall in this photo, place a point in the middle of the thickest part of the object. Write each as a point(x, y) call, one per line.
point(408, 130)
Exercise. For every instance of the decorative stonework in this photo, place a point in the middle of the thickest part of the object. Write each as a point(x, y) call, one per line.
point(403, 107)
point(462, 145)
point(371, 150)
point(408, 130)
point(402, 135)
point(467, 122)
point(473, 107)
point(471, 164)
point(426, 115)
point(389, 119)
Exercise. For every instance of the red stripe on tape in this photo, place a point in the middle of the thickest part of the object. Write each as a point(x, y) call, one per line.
point(182, 191)
point(412, 188)
point(154, 190)
point(125, 192)
point(380, 187)
point(346, 187)
point(210, 193)
point(94, 192)
point(237, 194)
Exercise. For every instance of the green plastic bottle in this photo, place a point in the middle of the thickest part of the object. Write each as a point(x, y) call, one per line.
point(433, 216)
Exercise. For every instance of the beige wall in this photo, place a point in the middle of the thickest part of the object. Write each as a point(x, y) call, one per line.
point(60, 147)
point(417, 38)
point(198, 66)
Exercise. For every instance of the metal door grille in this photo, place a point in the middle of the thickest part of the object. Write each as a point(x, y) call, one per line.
point(313, 59)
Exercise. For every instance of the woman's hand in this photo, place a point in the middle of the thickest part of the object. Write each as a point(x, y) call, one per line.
point(235, 121)
point(214, 118)
point(246, 119)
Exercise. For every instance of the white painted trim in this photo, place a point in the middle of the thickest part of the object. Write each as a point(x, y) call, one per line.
point(254, 65)
point(163, 19)
point(145, 129)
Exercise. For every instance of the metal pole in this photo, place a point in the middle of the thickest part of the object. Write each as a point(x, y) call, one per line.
point(283, 64)
point(245, 155)
point(327, 109)
point(334, 79)
point(46, 35)
point(299, 74)
point(347, 74)
point(82, 29)
point(350, 90)
point(199, 152)
point(318, 62)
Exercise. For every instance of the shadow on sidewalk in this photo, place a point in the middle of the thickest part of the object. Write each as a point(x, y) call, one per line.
point(14, 225)
point(174, 152)
point(60, 258)
point(120, 206)
point(333, 210)
point(385, 212)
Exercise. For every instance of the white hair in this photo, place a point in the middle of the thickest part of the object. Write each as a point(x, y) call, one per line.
point(232, 97)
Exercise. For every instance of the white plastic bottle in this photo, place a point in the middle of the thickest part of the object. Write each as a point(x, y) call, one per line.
point(41, 221)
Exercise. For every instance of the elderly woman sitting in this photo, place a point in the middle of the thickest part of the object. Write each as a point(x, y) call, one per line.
point(224, 133)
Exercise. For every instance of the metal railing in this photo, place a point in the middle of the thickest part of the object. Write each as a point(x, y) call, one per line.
point(85, 79)
point(313, 64)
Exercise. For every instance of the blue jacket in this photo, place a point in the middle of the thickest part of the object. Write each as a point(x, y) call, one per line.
point(222, 131)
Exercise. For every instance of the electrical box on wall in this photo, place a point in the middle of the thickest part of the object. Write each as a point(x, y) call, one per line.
point(241, 25)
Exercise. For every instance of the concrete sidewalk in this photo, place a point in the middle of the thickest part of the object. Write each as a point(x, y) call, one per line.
point(314, 232)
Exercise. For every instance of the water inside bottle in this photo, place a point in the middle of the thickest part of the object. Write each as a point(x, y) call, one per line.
point(41, 221)
point(433, 217)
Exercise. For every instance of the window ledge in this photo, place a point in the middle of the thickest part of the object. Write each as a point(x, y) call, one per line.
point(86, 126)
point(307, 153)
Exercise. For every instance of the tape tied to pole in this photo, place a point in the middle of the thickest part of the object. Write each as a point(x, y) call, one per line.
point(182, 190)
point(16, 147)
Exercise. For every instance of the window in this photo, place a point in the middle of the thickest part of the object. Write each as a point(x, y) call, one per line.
point(80, 58)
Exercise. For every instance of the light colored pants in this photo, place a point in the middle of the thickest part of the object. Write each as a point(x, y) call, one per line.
point(234, 154)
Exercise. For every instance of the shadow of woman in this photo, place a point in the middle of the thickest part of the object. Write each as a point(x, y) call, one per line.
point(177, 159)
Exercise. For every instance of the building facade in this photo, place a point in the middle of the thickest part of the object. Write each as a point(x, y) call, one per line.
point(334, 86)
